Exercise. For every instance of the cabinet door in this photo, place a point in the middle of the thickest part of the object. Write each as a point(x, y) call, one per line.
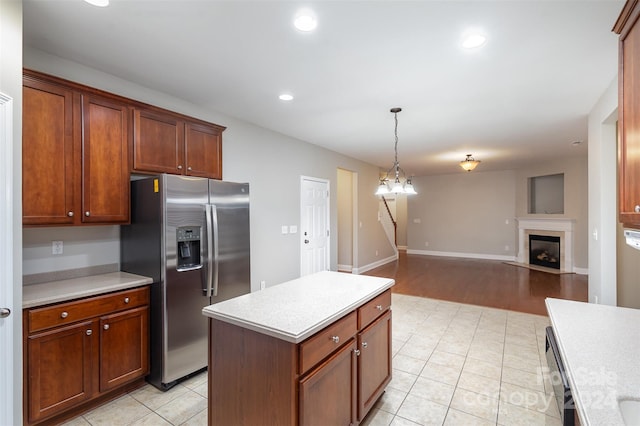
point(105, 164)
point(203, 150)
point(48, 184)
point(124, 347)
point(629, 167)
point(158, 143)
point(59, 369)
point(328, 393)
point(374, 363)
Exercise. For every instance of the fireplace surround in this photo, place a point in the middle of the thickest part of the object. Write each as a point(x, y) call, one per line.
point(559, 228)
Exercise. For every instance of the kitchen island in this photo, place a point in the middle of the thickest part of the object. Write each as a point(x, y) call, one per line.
point(315, 350)
point(599, 346)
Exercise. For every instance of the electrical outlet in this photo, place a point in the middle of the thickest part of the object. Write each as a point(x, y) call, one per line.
point(57, 247)
point(506, 248)
point(426, 243)
point(376, 252)
point(263, 285)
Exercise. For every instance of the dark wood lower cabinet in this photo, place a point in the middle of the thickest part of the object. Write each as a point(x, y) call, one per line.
point(60, 369)
point(328, 394)
point(332, 378)
point(83, 352)
point(374, 363)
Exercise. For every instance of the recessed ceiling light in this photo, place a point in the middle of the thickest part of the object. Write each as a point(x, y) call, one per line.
point(99, 3)
point(473, 40)
point(285, 97)
point(305, 20)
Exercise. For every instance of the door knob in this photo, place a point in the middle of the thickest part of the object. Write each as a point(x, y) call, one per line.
point(306, 241)
point(5, 312)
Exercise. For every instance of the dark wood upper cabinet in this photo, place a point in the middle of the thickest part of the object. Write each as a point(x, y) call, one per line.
point(629, 114)
point(48, 159)
point(165, 143)
point(80, 145)
point(75, 155)
point(105, 164)
point(158, 142)
point(203, 150)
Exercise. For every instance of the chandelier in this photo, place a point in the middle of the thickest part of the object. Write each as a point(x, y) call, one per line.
point(469, 163)
point(397, 187)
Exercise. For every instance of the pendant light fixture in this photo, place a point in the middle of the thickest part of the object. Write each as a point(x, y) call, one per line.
point(397, 187)
point(469, 163)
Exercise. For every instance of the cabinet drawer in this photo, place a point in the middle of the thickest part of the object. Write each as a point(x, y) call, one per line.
point(69, 312)
point(373, 308)
point(323, 343)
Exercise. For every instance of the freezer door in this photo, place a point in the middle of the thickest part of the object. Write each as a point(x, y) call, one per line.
point(185, 328)
point(232, 266)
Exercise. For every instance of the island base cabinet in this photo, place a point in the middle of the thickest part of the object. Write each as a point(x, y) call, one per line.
point(328, 394)
point(252, 377)
point(374, 363)
point(333, 377)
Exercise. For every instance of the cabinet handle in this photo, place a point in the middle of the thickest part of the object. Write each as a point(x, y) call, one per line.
point(357, 352)
point(335, 339)
point(64, 315)
point(70, 214)
point(106, 326)
point(189, 168)
point(87, 214)
point(379, 307)
point(179, 167)
point(89, 332)
point(637, 209)
point(365, 344)
point(126, 300)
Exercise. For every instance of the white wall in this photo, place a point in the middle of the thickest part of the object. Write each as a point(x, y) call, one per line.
point(463, 215)
point(602, 197)
point(11, 85)
point(266, 160)
point(345, 220)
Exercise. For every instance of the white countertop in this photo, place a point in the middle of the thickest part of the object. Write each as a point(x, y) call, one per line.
point(297, 309)
point(600, 347)
point(64, 290)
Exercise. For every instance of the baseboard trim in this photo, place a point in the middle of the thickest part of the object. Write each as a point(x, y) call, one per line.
point(374, 265)
point(463, 255)
point(345, 268)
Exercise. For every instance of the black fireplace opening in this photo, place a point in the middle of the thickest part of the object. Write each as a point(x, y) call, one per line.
point(544, 250)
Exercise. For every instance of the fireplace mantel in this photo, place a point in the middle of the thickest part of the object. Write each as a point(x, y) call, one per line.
point(547, 226)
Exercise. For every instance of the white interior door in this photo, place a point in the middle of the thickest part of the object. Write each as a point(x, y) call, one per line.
point(314, 225)
point(7, 311)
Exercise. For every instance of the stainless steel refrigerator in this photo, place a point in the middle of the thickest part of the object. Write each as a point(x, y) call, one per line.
point(191, 235)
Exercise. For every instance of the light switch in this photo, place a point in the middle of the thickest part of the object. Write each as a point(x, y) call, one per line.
point(293, 229)
point(285, 229)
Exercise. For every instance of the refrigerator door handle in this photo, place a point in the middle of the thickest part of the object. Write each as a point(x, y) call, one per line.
point(212, 248)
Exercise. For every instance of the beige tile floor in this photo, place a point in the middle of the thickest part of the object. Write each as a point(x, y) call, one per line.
point(453, 364)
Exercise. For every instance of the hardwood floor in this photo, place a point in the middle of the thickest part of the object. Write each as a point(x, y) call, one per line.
point(481, 282)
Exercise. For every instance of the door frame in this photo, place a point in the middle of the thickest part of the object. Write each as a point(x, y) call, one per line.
point(7, 325)
point(327, 184)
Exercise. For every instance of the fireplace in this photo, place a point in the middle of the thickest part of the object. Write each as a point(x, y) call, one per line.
point(554, 227)
point(544, 250)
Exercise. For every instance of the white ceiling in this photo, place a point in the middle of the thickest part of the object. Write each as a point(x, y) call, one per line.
point(523, 97)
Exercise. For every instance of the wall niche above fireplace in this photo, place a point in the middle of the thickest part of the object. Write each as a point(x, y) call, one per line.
point(546, 194)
